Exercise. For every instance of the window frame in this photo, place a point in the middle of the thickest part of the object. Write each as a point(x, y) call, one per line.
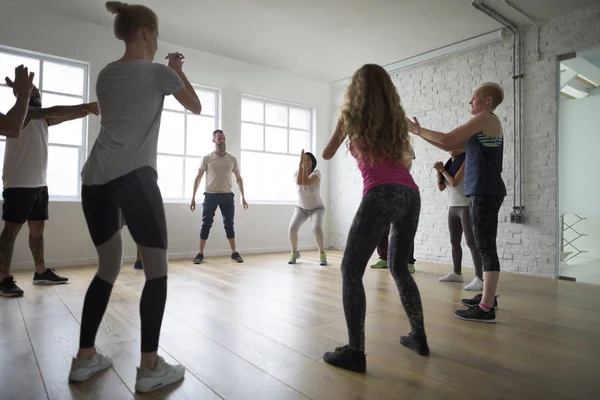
point(311, 136)
point(184, 156)
point(83, 148)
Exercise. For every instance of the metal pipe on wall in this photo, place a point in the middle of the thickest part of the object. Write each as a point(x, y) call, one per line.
point(517, 214)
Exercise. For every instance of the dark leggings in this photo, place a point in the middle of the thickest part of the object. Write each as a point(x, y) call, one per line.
point(383, 246)
point(484, 217)
point(459, 222)
point(381, 206)
point(137, 196)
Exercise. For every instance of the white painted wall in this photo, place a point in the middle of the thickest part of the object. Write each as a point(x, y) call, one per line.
point(438, 94)
point(262, 228)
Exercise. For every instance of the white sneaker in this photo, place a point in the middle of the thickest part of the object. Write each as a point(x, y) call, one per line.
point(162, 375)
point(452, 277)
point(476, 284)
point(83, 369)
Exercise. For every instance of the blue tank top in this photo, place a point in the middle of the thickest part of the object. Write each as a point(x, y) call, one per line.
point(483, 166)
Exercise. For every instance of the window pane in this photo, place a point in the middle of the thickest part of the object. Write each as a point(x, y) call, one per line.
point(299, 118)
point(252, 111)
point(63, 171)
point(171, 103)
point(199, 135)
point(191, 170)
point(172, 133)
point(51, 100)
point(276, 114)
point(252, 137)
point(70, 132)
point(208, 100)
point(276, 139)
point(63, 78)
point(298, 141)
point(280, 186)
point(170, 176)
point(8, 63)
point(7, 99)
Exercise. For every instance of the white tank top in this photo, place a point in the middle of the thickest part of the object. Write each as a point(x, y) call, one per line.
point(456, 194)
point(26, 157)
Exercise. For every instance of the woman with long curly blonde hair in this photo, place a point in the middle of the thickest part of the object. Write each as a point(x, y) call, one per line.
point(374, 126)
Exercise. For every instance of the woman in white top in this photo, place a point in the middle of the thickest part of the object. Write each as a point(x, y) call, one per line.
point(451, 176)
point(310, 205)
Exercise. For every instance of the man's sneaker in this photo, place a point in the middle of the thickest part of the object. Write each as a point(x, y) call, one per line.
point(162, 375)
point(138, 264)
point(236, 257)
point(380, 264)
point(199, 258)
point(452, 277)
point(476, 284)
point(416, 342)
point(48, 277)
point(83, 369)
point(9, 288)
point(346, 358)
point(293, 257)
point(476, 314)
point(474, 302)
point(411, 268)
point(322, 259)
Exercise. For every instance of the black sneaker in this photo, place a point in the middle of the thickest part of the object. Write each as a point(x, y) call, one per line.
point(346, 358)
point(9, 288)
point(236, 257)
point(199, 258)
point(476, 300)
point(476, 314)
point(417, 343)
point(48, 277)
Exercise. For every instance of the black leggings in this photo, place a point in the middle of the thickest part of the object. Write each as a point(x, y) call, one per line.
point(136, 196)
point(381, 206)
point(484, 217)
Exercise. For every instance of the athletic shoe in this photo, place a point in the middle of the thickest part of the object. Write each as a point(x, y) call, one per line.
point(199, 258)
point(82, 370)
point(417, 343)
point(8, 287)
point(293, 257)
point(322, 259)
point(380, 264)
point(476, 284)
point(162, 375)
point(474, 302)
point(236, 257)
point(476, 314)
point(411, 268)
point(138, 264)
point(452, 277)
point(346, 358)
point(48, 277)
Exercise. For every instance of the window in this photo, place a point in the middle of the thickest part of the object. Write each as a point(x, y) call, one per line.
point(273, 135)
point(61, 83)
point(183, 140)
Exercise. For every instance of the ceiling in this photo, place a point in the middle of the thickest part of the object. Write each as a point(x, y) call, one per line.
point(323, 39)
point(580, 75)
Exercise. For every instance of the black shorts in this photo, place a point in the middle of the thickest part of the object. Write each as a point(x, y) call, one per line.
point(25, 204)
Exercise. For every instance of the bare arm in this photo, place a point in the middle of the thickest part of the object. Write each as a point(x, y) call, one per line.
point(455, 139)
point(240, 183)
point(82, 110)
point(197, 183)
point(187, 96)
point(441, 186)
point(334, 142)
point(11, 124)
point(454, 180)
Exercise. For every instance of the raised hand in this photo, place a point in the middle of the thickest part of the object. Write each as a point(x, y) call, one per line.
point(438, 166)
point(175, 61)
point(413, 126)
point(23, 83)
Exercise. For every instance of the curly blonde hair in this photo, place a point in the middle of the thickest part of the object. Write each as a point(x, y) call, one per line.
point(373, 120)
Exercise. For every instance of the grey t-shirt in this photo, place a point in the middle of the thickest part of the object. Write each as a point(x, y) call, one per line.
point(130, 95)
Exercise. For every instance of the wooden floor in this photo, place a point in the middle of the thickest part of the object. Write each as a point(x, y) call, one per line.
point(258, 331)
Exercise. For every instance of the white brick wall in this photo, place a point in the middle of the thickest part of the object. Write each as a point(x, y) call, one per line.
point(438, 94)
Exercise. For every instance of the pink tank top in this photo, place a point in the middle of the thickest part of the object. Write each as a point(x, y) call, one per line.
point(383, 172)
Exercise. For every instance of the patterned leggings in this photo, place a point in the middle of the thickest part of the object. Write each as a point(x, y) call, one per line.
point(382, 205)
point(484, 218)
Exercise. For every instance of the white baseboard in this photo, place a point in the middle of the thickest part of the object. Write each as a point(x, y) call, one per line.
point(75, 262)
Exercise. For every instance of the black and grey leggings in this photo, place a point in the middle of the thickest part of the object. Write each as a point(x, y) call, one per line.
point(382, 205)
point(136, 196)
point(484, 217)
point(459, 222)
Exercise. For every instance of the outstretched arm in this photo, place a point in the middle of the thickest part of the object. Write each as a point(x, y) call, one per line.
point(80, 111)
point(453, 140)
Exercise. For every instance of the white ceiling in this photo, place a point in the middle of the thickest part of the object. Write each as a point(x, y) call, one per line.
point(322, 39)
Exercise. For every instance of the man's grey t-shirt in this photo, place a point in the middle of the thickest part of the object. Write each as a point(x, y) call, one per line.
point(131, 96)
